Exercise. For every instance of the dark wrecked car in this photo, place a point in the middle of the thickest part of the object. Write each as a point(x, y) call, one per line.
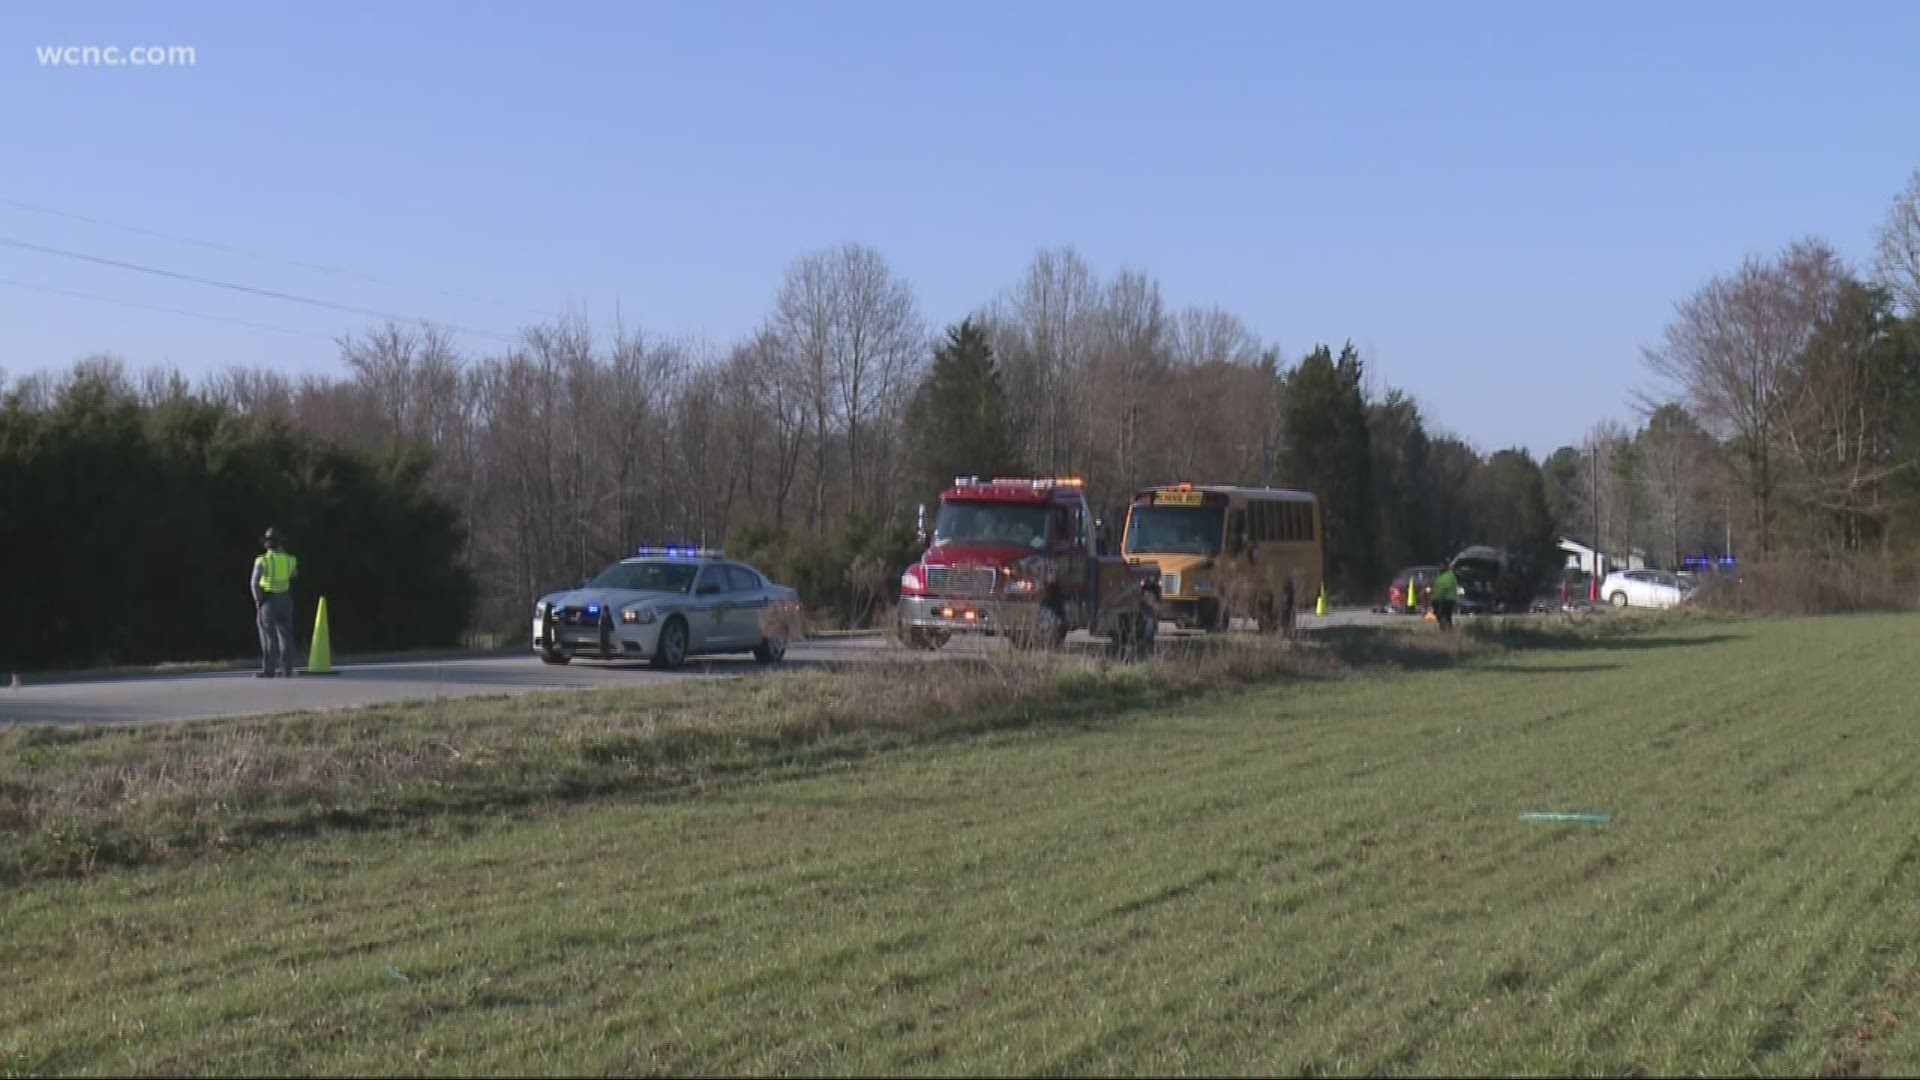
point(1491, 581)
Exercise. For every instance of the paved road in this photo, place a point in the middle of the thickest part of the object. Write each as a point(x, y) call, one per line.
point(199, 696)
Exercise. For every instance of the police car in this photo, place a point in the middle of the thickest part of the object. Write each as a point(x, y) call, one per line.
point(664, 605)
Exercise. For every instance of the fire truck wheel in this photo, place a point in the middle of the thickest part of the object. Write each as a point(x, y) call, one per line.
point(1267, 617)
point(1132, 638)
point(1049, 629)
point(1214, 617)
point(921, 640)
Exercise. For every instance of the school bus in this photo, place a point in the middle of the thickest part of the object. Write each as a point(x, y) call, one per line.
point(1227, 552)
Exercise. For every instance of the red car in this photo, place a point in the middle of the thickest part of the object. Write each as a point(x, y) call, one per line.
point(1418, 578)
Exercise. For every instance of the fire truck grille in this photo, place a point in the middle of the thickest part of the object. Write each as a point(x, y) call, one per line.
point(960, 580)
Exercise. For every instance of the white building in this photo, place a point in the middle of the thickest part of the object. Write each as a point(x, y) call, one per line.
point(1598, 563)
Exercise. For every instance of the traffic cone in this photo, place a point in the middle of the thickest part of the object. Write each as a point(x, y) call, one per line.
point(1320, 605)
point(320, 653)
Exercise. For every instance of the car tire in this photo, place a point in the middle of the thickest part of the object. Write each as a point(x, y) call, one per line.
point(1618, 599)
point(771, 650)
point(671, 650)
point(554, 656)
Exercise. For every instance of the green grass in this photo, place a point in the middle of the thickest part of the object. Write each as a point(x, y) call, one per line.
point(1329, 876)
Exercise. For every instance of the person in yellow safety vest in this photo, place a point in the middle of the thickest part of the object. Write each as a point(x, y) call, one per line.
point(271, 582)
point(1446, 590)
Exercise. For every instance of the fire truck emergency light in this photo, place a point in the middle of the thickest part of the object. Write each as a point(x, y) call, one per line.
point(1037, 483)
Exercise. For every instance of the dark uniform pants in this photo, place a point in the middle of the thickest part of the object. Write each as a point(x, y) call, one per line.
point(1443, 613)
point(276, 633)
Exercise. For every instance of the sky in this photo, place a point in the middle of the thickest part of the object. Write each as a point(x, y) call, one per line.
point(1498, 203)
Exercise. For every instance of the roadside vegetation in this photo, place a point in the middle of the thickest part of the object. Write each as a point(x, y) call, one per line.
point(1023, 869)
point(76, 800)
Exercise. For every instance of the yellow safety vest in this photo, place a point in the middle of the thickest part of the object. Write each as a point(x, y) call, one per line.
point(274, 571)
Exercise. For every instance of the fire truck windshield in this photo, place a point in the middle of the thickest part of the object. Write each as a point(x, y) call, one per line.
point(1170, 530)
point(991, 523)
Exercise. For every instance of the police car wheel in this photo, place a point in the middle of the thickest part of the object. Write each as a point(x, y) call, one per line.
point(671, 651)
point(551, 656)
point(770, 650)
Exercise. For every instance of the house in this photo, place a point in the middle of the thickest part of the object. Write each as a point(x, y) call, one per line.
point(1587, 560)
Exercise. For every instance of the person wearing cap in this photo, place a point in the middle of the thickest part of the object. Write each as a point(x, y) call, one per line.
point(271, 581)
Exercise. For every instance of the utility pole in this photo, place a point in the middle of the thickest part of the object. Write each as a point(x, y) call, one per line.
point(1593, 495)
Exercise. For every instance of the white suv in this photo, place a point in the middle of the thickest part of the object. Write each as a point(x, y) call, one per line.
point(1644, 588)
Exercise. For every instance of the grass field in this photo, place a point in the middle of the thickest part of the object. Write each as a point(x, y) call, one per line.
point(1328, 876)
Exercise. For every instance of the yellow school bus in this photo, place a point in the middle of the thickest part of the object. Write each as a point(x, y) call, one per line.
point(1227, 552)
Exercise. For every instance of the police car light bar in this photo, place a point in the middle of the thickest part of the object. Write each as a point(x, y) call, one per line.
point(682, 552)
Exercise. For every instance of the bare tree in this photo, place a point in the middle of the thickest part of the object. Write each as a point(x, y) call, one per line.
point(1600, 499)
point(806, 317)
point(764, 369)
point(1045, 332)
point(1133, 363)
point(881, 351)
point(853, 334)
point(1730, 354)
point(259, 392)
point(1898, 266)
point(412, 376)
point(1213, 414)
point(1841, 431)
point(1674, 460)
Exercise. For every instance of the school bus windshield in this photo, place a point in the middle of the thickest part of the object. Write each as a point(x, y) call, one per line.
point(1174, 530)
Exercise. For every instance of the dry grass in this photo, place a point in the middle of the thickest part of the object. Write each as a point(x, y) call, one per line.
point(1811, 585)
point(1314, 881)
point(75, 799)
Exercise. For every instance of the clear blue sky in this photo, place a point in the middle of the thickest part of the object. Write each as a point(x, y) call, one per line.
point(1499, 202)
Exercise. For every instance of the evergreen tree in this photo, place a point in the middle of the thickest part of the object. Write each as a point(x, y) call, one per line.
point(1401, 449)
point(1329, 451)
point(1511, 498)
point(958, 422)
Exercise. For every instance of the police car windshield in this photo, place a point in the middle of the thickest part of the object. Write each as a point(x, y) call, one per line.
point(1183, 530)
point(991, 523)
point(647, 576)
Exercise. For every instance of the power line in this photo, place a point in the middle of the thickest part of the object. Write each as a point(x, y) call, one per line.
point(269, 293)
point(167, 310)
point(244, 253)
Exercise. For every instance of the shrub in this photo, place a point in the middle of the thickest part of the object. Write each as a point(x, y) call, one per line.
point(1810, 585)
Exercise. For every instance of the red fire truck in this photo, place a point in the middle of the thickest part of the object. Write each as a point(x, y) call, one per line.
point(1020, 557)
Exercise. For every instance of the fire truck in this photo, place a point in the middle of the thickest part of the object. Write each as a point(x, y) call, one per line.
point(1022, 558)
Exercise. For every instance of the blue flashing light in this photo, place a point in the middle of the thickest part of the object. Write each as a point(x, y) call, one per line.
point(593, 610)
point(1707, 562)
point(680, 552)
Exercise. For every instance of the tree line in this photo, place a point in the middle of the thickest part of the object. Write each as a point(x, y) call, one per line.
point(133, 509)
point(1783, 422)
point(432, 480)
point(804, 446)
